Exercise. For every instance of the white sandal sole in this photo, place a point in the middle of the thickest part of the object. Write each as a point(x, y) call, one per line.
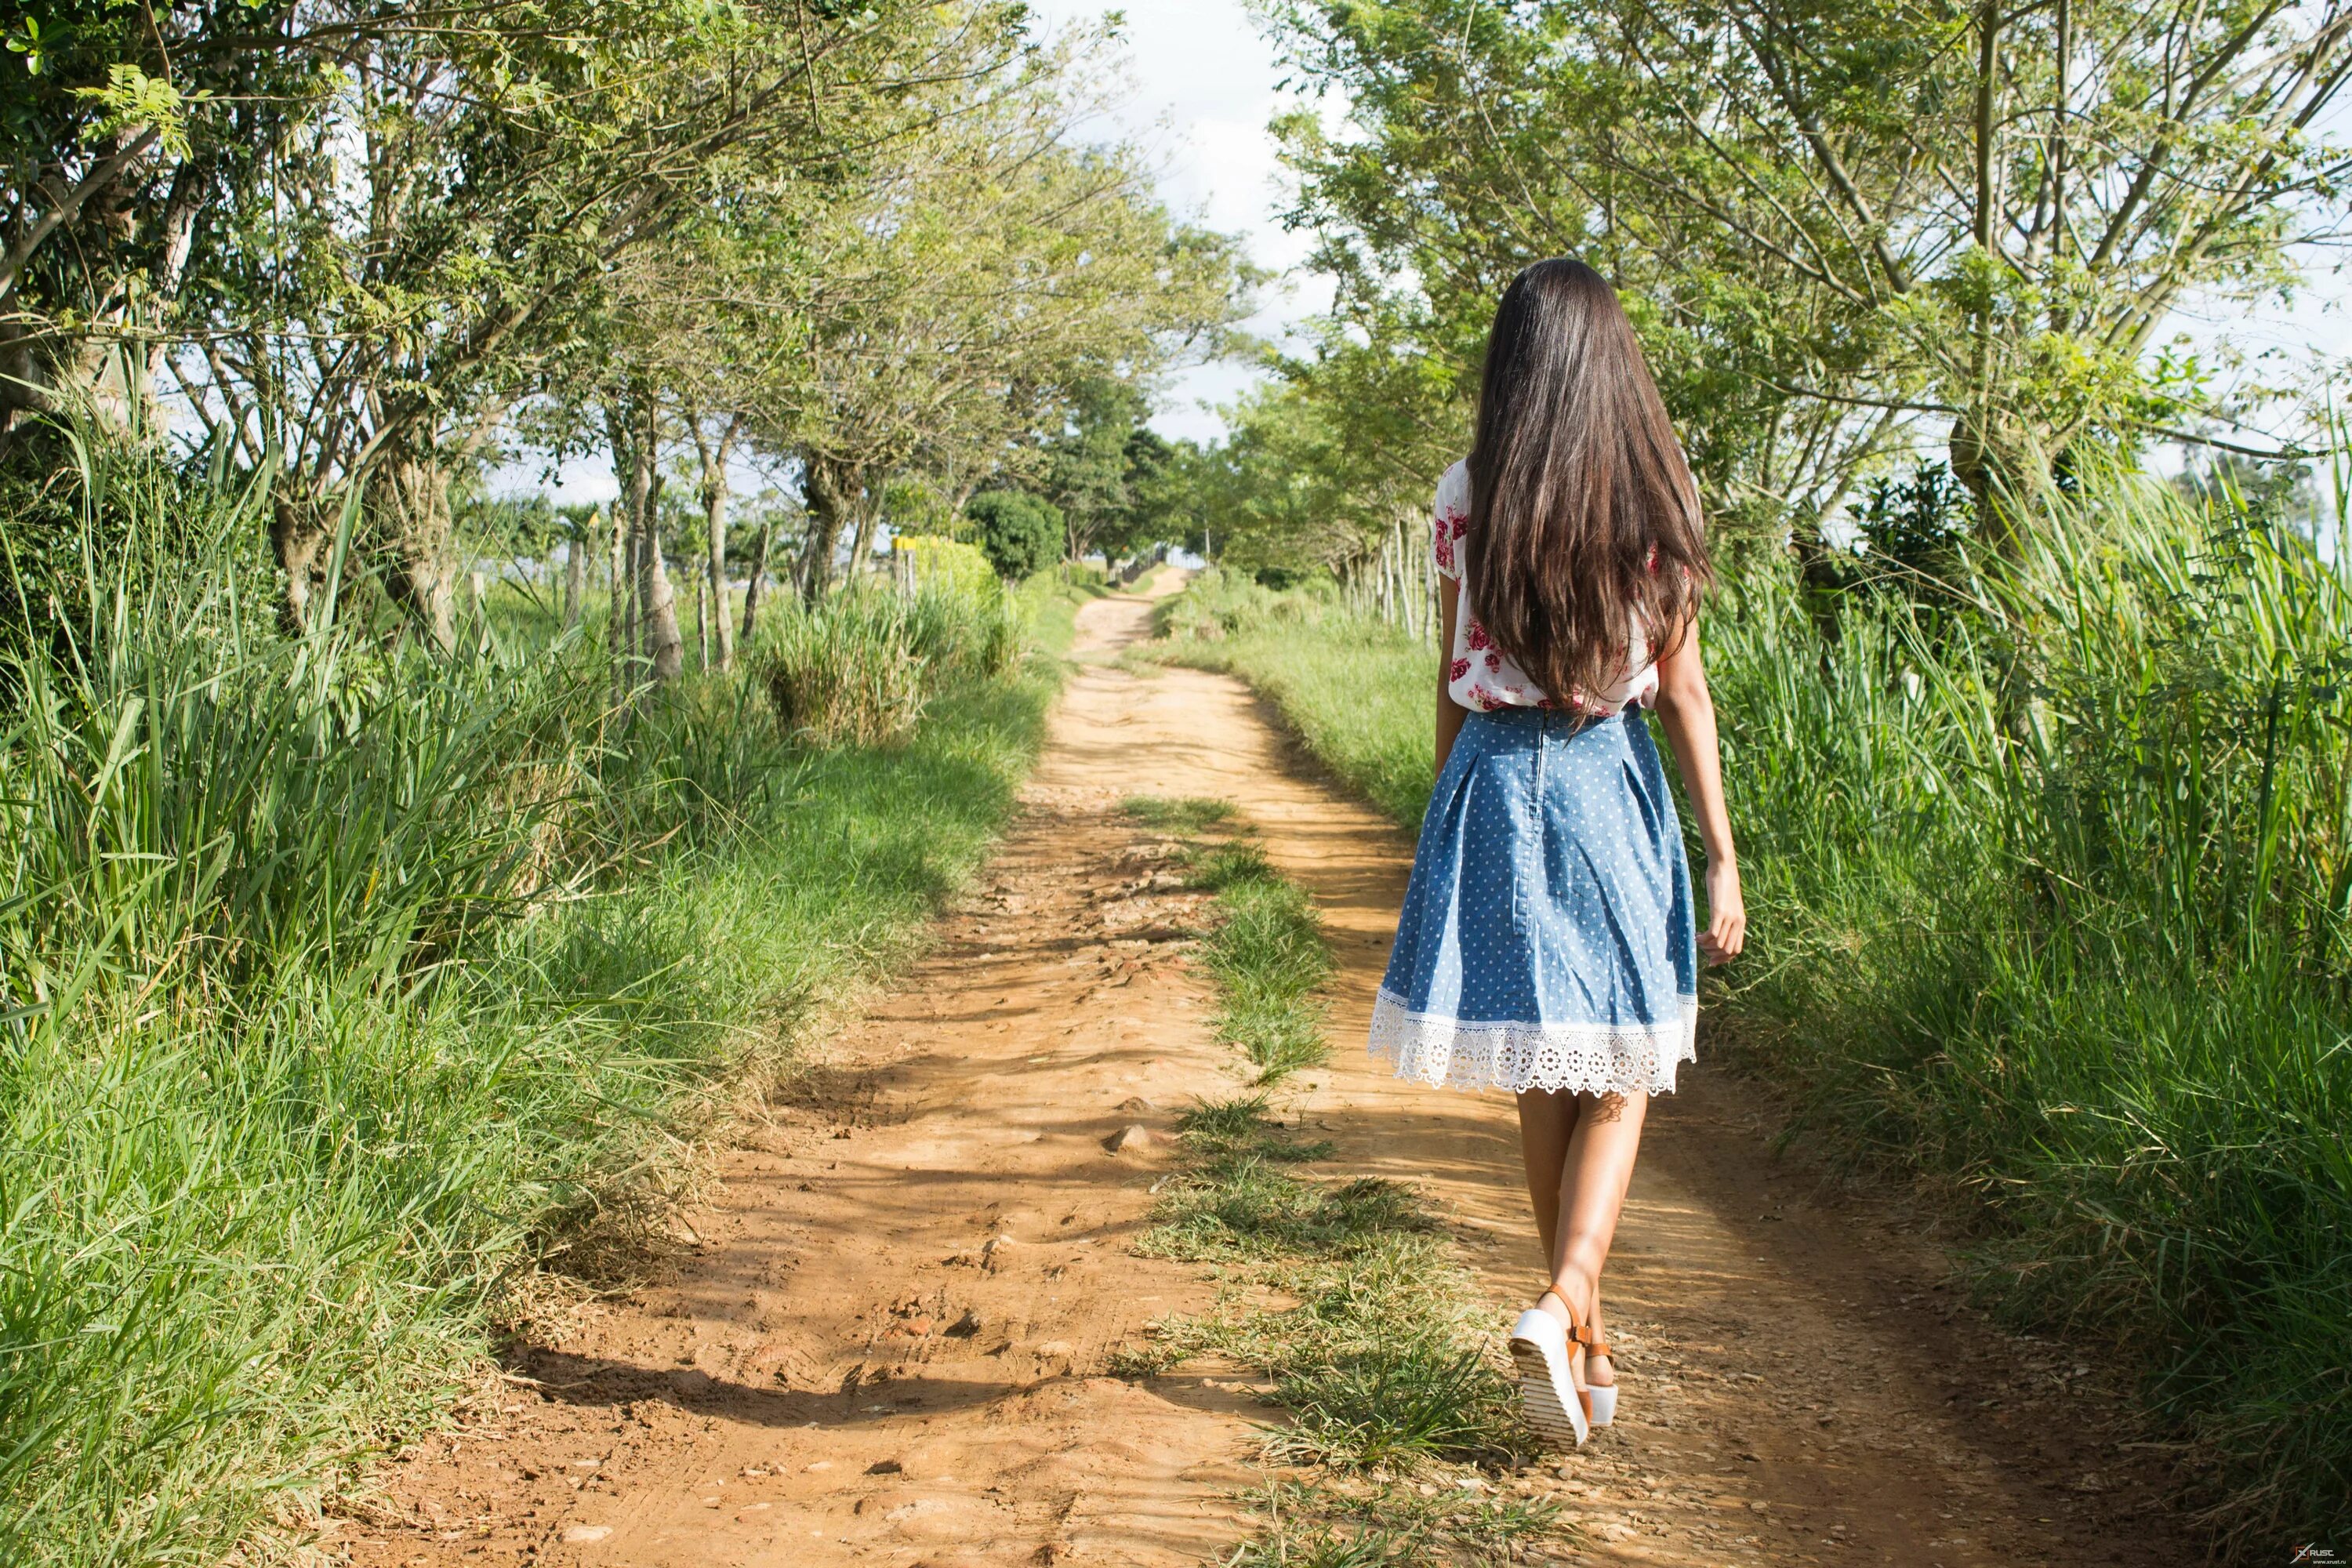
point(1547, 1395)
point(1604, 1404)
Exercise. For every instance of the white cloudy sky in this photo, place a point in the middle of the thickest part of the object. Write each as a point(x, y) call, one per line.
point(1203, 89)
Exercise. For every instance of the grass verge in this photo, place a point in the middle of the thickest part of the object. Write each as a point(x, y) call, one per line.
point(1400, 1412)
point(344, 992)
point(1358, 692)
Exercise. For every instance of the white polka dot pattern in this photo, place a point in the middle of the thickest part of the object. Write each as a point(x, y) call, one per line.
point(1547, 938)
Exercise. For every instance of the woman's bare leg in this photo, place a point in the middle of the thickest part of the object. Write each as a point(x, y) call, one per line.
point(1580, 1152)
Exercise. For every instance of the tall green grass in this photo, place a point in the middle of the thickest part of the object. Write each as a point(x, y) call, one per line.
point(341, 987)
point(2048, 883)
point(2054, 905)
point(861, 667)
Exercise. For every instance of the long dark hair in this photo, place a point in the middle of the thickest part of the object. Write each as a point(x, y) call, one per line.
point(1582, 510)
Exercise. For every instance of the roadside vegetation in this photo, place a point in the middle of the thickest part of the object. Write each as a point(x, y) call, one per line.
point(1401, 1417)
point(403, 871)
point(2047, 875)
point(355, 1000)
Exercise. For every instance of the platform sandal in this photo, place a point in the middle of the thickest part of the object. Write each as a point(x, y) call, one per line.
point(1600, 1398)
point(1549, 1394)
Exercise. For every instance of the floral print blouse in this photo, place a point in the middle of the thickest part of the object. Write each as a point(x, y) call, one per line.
point(1481, 676)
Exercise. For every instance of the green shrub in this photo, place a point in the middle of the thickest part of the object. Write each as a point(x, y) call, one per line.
point(1022, 534)
point(858, 668)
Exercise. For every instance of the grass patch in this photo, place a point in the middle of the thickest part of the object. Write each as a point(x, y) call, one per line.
point(1269, 958)
point(1382, 1365)
point(1187, 814)
point(1267, 953)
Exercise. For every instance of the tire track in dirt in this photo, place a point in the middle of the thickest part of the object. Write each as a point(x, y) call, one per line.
point(888, 1346)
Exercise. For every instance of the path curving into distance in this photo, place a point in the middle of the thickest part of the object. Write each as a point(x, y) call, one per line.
point(889, 1342)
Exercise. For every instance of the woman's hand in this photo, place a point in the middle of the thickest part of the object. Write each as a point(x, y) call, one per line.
point(1727, 917)
point(1687, 715)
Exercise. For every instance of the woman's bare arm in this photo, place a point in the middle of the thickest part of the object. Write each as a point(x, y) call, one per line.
point(1450, 713)
point(1687, 713)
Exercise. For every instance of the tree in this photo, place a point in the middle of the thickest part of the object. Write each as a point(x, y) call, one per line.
point(713, 449)
point(374, 270)
point(1836, 223)
point(1275, 491)
point(1020, 533)
point(1466, 157)
point(125, 126)
point(633, 422)
point(1086, 466)
point(985, 272)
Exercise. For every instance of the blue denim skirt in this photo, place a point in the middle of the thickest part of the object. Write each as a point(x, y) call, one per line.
point(1548, 939)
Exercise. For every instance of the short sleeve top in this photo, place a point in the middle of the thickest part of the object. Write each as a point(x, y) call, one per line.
point(1480, 675)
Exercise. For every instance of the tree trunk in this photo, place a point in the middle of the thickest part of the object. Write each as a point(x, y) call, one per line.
point(1991, 479)
point(861, 549)
point(617, 563)
point(702, 619)
point(831, 493)
point(664, 646)
point(714, 512)
point(627, 564)
point(179, 235)
point(633, 629)
point(303, 545)
point(634, 435)
point(753, 587)
point(408, 500)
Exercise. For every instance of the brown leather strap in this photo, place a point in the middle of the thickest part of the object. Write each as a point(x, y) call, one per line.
point(1579, 1332)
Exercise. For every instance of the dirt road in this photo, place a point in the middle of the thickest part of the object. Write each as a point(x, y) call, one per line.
point(889, 1345)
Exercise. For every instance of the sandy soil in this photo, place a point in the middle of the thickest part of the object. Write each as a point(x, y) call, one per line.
point(889, 1344)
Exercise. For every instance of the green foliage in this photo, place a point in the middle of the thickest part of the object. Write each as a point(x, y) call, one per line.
point(2047, 885)
point(1121, 487)
point(1022, 534)
point(1306, 477)
point(292, 1097)
point(1842, 232)
point(858, 668)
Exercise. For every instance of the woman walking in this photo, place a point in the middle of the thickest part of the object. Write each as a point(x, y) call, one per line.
point(1549, 943)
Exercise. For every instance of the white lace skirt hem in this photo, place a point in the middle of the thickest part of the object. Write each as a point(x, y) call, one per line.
point(1581, 1059)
